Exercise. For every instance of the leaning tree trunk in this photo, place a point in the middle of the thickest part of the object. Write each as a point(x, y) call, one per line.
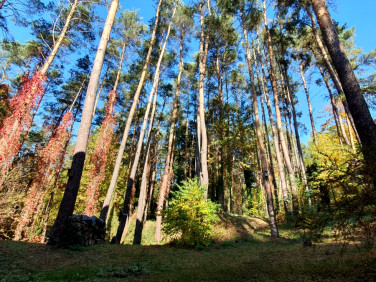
point(336, 114)
point(60, 39)
point(119, 157)
point(126, 213)
point(130, 183)
point(332, 72)
point(168, 166)
point(364, 123)
point(264, 163)
point(75, 173)
point(103, 143)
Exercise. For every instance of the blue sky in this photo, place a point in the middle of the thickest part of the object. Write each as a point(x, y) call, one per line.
point(360, 14)
point(352, 13)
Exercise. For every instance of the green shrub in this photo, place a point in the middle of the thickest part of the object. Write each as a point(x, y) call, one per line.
point(190, 218)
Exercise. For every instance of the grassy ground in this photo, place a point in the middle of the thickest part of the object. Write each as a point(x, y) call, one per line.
point(243, 252)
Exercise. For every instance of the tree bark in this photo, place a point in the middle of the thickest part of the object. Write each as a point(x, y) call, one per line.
point(333, 74)
point(169, 161)
point(364, 124)
point(271, 164)
point(279, 156)
point(106, 129)
point(152, 180)
point(336, 114)
point(75, 173)
point(296, 130)
point(119, 157)
point(187, 160)
point(264, 163)
point(204, 176)
point(130, 183)
point(278, 117)
point(309, 103)
point(57, 44)
point(143, 188)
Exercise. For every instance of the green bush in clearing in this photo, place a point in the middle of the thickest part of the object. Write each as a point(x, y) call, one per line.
point(190, 218)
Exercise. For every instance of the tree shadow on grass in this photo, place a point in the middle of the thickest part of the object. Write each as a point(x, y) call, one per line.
point(260, 259)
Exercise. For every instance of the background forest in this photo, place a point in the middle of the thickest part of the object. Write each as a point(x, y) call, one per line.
point(199, 110)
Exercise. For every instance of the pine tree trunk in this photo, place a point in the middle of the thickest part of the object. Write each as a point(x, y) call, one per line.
point(57, 44)
point(364, 124)
point(271, 164)
point(221, 163)
point(279, 156)
point(264, 163)
point(169, 161)
point(332, 72)
point(198, 145)
point(143, 188)
point(297, 137)
point(350, 133)
point(309, 103)
point(278, 117)
point(127, 210)
point(204, 176)
point(119, 157)
point(106, 131)
point(336, 114)
point(75, 173)
point(130, 183)
point(152, 181)
point(187, 160)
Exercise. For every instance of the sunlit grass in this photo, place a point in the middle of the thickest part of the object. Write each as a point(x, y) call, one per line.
point(235, 256)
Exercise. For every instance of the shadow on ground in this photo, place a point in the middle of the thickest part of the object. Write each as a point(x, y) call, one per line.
point(256, 258)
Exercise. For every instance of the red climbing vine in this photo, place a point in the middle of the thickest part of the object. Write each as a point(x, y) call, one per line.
point(49, 159)
point(15, 127)
point(99, 157)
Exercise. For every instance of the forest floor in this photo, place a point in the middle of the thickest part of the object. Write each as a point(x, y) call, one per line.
point(244, 251)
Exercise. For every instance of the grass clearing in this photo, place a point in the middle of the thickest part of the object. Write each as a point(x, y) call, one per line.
point(251, 256)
